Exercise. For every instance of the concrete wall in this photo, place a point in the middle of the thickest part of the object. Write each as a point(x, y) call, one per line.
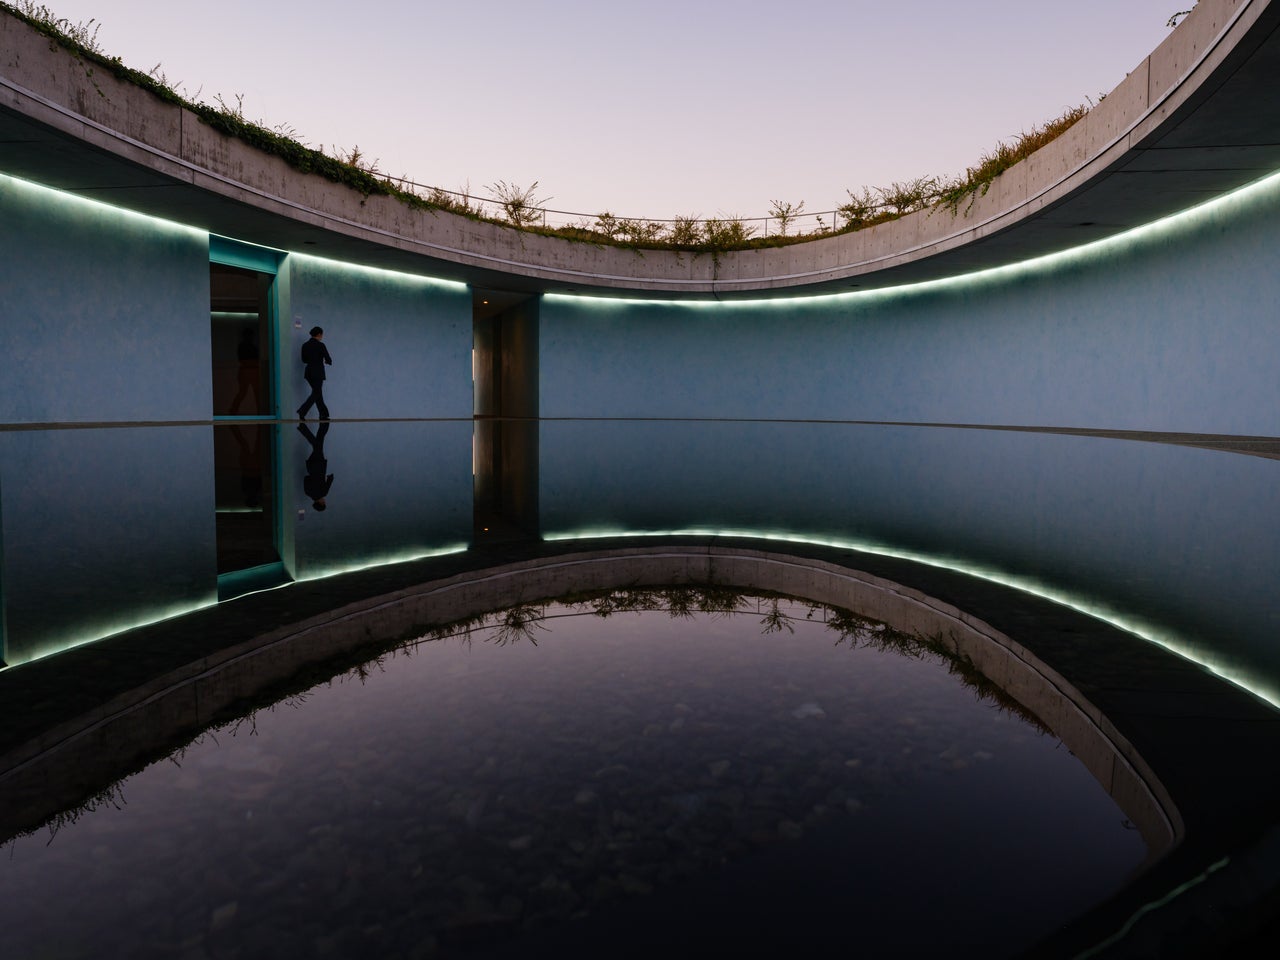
point(169, 144)
point(105, 314)
point(401, 345)
point(106, 318)
point(1168, 328)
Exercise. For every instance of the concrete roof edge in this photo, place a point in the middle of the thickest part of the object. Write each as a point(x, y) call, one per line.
point(40, 82)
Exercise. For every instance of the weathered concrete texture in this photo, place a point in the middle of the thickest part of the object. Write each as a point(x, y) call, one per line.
point(1186, 102)
point(80, 342)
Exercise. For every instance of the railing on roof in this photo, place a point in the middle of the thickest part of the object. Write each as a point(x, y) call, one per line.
point(678, 230)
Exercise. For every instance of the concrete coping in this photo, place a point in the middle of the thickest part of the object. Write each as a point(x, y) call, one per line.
point(40, 81)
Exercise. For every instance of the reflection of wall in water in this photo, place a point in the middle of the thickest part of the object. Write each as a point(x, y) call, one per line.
point(399, 490)
point(1185, 537)
point(102, 529)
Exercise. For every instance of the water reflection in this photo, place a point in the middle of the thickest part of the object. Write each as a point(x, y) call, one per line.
point(245, 488)
point(317, 482)
point(103, 528)
point(1182, 542)
point(405, 490)
point(577, 777)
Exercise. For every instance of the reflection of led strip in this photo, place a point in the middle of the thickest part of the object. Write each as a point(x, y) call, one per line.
point(1154, 905)
point(1161, 637)
point(382, 562)
point(110, 629)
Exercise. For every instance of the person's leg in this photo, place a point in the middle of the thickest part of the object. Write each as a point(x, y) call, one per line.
point(315, 398)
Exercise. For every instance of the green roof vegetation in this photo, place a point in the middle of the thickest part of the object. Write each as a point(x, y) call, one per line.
point(519, 207)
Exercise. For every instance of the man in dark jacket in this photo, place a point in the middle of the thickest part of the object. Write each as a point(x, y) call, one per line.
point(314, 356)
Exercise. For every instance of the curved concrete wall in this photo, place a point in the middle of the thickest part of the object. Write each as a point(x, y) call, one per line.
point(1168, 328)
point(106, 319)
point(1144, 150)
point(105, 316)
point(401, 345)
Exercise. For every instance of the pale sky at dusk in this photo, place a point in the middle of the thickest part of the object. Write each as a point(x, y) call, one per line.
point(696, 107)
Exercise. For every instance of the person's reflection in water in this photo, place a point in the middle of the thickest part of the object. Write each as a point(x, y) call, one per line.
point(316, 483)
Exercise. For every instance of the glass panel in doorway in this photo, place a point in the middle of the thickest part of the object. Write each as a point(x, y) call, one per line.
point(240, 323)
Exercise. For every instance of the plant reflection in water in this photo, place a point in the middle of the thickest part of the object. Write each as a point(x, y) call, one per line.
point(599, 766)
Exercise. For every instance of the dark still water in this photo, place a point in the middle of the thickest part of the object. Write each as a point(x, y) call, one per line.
point(557, 782)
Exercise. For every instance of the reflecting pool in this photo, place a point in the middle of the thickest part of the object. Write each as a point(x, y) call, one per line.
point(103, 529)
point(555, 777)
point(586, 778)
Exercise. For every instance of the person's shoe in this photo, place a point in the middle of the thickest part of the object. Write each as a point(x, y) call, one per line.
point(301, 415)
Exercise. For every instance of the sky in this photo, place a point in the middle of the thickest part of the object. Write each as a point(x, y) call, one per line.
point(657, 109)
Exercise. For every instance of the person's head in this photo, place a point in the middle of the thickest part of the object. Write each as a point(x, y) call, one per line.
point(317, 332)
point(317, 504)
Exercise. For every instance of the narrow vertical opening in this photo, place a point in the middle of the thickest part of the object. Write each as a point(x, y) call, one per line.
point(505, 438)
point(242, 320)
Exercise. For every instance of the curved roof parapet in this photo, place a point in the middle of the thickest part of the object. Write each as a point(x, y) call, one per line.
point(1198, 117)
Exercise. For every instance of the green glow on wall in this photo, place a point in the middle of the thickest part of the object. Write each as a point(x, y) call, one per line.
point(34, 192)
point(1097, 251)
point(380, 272)
point(383, 561)
point(109, 628)
point(38, 192)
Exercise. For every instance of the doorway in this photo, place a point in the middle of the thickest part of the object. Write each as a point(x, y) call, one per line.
point(246, 438)
point(240, 317)
point(504, 363)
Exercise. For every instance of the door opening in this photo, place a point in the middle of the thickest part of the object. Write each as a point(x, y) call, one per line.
point(505, 439)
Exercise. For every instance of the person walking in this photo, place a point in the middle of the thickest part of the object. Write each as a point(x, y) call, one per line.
point(315, 356)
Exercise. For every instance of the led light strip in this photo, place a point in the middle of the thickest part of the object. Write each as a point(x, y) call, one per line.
point(1185, 220)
